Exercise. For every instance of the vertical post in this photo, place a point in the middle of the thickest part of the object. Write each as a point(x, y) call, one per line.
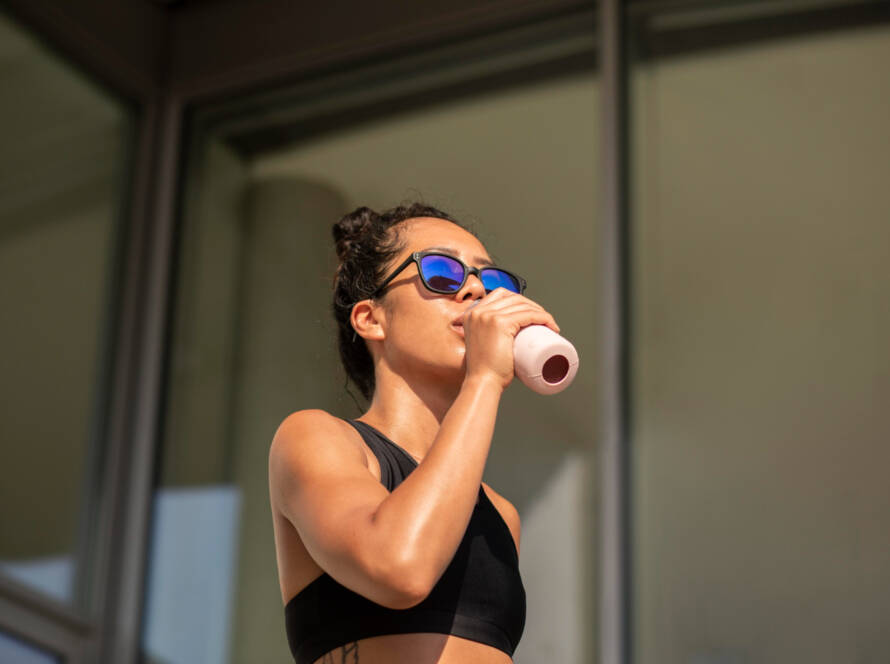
point(614, 582)
point(139, 381)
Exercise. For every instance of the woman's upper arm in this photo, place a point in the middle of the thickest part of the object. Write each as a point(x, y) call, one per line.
point(320, 481)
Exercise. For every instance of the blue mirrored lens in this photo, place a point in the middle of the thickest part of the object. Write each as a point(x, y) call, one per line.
point(493, 278)
point(442, 273)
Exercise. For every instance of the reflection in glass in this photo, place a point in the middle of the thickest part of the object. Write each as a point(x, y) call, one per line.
point(254, 340)
point(16, 651)
point(191, 573)
point(61, 171)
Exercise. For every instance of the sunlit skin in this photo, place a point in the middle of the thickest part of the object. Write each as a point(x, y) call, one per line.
point(419, 356)
point(440, 373)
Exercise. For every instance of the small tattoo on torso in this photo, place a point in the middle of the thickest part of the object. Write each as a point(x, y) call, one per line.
point(348, 655)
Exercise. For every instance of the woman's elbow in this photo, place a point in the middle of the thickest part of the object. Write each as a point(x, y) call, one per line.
point(407, 586)
point(406, 598)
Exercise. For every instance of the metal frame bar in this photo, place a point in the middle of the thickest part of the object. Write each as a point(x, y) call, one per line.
point(406, 35)
point(361, 90)
point(113, 474)
point(39, 620)
point(614, 439)
point(140, 377)
point(667, 29)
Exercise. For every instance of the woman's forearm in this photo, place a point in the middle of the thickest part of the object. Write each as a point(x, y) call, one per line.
point(424, 518)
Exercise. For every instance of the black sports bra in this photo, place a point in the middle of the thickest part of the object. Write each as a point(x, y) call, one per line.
point(480, 595)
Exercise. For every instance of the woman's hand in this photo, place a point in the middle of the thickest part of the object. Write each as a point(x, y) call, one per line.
point(490, 328)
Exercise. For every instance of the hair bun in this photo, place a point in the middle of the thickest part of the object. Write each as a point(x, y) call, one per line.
point(352, 229)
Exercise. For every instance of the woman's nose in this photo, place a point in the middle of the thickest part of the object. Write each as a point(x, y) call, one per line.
point(472, 289)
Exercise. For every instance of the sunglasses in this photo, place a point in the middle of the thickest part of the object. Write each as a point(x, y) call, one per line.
point(446, 274)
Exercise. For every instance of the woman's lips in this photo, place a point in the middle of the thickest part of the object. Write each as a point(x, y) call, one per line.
point(458, 323)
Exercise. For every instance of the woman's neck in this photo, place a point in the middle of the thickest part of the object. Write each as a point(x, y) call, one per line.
point(409, 412)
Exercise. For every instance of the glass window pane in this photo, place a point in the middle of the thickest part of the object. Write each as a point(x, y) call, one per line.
point(761, 362)
point(17, 651)
point(61, 176)
point(255, 340)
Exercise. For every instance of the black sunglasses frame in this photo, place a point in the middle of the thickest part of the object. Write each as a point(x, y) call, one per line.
point(468, 270)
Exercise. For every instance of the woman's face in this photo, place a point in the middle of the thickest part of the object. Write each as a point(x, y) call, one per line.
point(421, 340)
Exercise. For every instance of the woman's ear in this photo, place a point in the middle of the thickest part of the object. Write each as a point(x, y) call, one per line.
point(366, 319)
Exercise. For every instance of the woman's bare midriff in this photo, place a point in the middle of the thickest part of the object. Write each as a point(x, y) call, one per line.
point(420, 648)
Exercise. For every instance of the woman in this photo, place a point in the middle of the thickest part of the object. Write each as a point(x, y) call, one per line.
point(390, 547)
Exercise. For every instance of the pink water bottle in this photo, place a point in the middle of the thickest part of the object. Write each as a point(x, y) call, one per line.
point(544, 360)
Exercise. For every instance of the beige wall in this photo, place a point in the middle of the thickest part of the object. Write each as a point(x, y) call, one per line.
point(762, 370)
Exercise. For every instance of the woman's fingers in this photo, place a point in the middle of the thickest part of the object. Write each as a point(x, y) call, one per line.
point(500, 298)
point(501, 302)
point(490, 328)
point(523, 314)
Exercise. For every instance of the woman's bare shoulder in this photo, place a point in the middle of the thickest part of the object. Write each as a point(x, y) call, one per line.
point(310, 417)
point(316, 432)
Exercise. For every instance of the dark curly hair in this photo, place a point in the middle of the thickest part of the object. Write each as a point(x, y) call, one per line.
point(366, 241)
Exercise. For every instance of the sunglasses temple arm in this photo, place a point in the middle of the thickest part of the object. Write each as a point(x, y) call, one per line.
point(401, 267)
